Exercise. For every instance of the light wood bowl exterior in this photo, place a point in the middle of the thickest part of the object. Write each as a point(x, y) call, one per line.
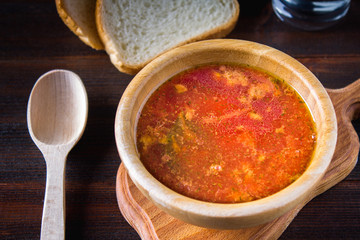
point(215, 215)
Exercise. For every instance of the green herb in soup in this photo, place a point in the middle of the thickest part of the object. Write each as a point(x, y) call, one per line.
point(226, 134)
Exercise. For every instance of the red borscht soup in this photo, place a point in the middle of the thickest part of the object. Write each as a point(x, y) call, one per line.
point(225, 134)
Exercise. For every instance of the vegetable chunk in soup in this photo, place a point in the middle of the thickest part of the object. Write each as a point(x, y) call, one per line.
point(225, 134)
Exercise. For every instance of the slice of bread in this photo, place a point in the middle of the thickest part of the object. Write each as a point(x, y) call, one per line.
point(134, 32)
point(79, 16)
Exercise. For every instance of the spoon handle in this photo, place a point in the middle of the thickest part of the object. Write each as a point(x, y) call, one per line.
point(53, 219)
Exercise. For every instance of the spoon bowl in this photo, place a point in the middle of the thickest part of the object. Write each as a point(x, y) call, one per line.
point(56, 115)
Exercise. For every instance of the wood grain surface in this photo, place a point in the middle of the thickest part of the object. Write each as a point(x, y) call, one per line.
point(34, 40)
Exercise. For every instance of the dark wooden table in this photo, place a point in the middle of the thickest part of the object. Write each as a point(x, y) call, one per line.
point(33, 40)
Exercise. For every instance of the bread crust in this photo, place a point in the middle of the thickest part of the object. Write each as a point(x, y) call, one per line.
point(218, 32)
point(91, 39)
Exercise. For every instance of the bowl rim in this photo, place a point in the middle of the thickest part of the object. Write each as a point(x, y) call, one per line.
point(191, 209)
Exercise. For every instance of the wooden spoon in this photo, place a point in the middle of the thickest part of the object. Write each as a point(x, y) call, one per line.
point(56, 115)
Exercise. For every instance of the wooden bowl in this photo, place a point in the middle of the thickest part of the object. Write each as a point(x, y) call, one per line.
point(216, 215)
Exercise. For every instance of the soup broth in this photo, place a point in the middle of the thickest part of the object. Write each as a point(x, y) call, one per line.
point(225, 134)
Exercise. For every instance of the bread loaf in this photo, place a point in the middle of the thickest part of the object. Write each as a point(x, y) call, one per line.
point(134, 32)
point(79, 16)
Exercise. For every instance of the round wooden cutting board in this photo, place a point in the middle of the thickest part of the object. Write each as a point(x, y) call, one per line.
point(152, 223)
